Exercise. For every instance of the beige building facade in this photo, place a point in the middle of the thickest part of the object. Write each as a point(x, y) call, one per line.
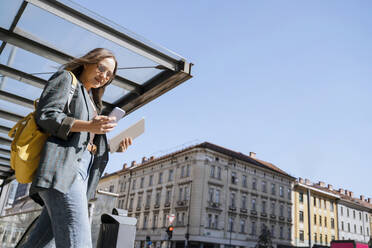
point(220, 198)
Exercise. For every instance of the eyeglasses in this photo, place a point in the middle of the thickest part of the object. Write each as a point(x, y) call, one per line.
point(103, 69)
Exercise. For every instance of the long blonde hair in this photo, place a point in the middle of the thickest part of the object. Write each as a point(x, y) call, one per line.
point(76, 66)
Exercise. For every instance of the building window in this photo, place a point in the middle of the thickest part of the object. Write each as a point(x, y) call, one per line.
point(164, 219)
point(281, 191)
point(342, 225)
point(361, 230)
point(242, 225)
point(354, 214)
point(111, 189)
point(209, 221)
point(333, 237)
point(347, 212)
point(155, 221)
point(244, 181)
point(134, 184)
point(131, 203)
point(264, 188)
point(211, 193)
point(170, 175)
point(244, 202)
point(342, 211)
point(160, 178)
point(232, 199)
point(233, 177)
point(367, 233)
point(321, 238)
point(186, 194)
point(217, 196)
point(145, 218)
point(331, 206)
point(355, 231)
point(301, 216)
point(366, 217)
point(157, 200)
point(273, 189)
point(332, 223)
point(281, 232)
point(187, 170)
point(281, 210)
point(315, 238)
point(301, 197)
point(289, 193)
point(264, 207)
point(314, 219)
point(150, 180)
point(325, 221)
point(212, 171)
point(314, 201)
point(326, 239)
point(254, 228)
point(272, 231)
point(183, 172)
point(289, 233)
point(254, 183)
point(141, 182)
point(348, 227)
point(168, 196)
point(231, 224)
point(320, 220)
point(273, 208)
point(254, 204)
point(139, 201)
point(216, 221)
point(219, 172)
point(289, 212)
point(148, 199)
point(302, 238)
point(360, 216)
point(180, 193)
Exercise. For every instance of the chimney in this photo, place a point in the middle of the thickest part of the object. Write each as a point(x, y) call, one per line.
point(341, 191)
point(369, 200)
point(125, 166)
point(144, 159)
point(307, 181)
point(252, 154)
point(152, 158)
point(362, 197)
point(321, 184)
point(351, 194)
point(300, 180)
point(105, 174)
point(133, 163)
point(330, 187)
point(346, 192)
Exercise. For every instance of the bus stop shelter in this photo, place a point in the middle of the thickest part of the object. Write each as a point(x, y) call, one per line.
point(37, 36)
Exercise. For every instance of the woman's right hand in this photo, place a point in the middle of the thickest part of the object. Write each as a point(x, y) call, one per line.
point(102, 124)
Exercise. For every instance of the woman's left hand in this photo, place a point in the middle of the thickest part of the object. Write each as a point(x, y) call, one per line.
point(124, 144)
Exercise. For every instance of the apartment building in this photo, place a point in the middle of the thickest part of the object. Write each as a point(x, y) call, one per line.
point(315, 214)
point(354, 219)
point(220, 198)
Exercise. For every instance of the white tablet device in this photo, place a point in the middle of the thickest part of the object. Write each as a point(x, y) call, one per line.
point(118, 113)
point(133, 132)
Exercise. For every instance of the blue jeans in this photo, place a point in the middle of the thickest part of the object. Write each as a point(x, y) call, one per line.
point(64, 220)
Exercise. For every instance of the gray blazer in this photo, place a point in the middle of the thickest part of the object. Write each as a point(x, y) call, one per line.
point(63, 150)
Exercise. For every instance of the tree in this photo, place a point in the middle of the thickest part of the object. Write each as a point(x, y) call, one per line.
point(264, 240)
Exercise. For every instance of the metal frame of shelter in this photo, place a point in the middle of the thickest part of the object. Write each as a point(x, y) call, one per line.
point(173, 69)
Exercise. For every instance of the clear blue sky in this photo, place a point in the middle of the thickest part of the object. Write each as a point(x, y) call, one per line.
point(289, 80)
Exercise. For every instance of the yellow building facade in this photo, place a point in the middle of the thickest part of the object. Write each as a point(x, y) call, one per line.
point(315, 221)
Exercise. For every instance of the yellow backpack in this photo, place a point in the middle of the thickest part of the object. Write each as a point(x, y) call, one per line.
point(28, 142)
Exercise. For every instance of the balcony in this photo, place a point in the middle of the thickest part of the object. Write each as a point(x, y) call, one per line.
point(232, 208)
point(253, 212)
point(147, 207)
point(263, 214)
point(157, 205)
point(138, 209)
point(130, 209)
point(281, 218)
point(182, 203)
point(289, 219)
point(167, 204)
point(215, 205)
point(272, 216)
point(243, 210)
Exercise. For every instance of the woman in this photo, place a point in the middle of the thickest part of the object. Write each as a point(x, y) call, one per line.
point(76, 153)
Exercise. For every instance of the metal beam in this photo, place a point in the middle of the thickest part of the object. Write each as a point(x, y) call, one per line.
point(4, 129)
point(26, 42)
point(4, 152)
point(16, 99)
point(10, 116)
point(4, 141)
point(107, 32)
point(22, 76)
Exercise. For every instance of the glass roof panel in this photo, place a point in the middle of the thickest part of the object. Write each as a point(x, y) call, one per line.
point(29, 62)
point(76, 41)
point(21, 89)
point(14, 108)
point(121, 29)
point(113, 93)
point(8, 10)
